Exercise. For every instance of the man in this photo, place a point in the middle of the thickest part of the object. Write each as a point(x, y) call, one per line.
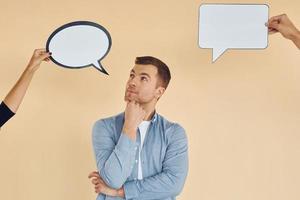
point(13, 99)
point(283, 25)
point(140, 154)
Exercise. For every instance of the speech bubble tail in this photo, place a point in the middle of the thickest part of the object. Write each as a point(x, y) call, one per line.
point(99, 67)
point(217, 52)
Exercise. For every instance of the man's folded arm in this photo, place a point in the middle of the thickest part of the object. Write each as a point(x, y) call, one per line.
point(114, 160)
point(168, 183)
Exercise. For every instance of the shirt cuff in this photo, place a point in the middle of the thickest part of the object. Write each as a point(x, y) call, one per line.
point(131, 190)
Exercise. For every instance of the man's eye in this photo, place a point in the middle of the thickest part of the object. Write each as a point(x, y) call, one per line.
point(131, 75)
point(144, 79)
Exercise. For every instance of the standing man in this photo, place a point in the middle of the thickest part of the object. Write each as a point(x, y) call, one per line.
point(139, 153)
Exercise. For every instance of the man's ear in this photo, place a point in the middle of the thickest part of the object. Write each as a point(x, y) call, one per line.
point(159, 91)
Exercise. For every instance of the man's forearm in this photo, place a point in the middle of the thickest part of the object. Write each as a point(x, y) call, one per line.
point(114, 161)
point(118, 166)
point(159, 186)
point(121, 193)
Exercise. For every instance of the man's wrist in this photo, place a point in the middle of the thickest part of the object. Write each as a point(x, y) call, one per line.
point(129, 131)
point(121, 193)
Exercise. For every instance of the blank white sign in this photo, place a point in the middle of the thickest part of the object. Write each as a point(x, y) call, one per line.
point(79, 44)
point(232, 26)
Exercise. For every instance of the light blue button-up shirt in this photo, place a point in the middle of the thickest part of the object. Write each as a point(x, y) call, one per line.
point(164, 158)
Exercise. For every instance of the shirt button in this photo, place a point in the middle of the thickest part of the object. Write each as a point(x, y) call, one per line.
point(136, 161)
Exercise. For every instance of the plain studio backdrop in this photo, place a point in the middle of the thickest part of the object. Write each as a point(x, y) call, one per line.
point(241, 114)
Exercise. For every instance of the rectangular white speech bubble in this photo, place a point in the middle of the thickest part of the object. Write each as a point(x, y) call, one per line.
point(233, 26)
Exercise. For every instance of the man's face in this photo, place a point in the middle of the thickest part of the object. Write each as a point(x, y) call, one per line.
point(142, 84)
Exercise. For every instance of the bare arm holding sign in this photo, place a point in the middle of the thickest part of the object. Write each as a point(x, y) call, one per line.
point(14, 98)
point(283, 25)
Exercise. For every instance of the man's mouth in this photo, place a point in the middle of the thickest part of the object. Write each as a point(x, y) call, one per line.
point(130, 91)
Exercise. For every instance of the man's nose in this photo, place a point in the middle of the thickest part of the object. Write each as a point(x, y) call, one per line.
point(132, 82)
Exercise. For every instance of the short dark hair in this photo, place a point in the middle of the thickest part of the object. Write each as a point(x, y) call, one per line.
point(162, 69)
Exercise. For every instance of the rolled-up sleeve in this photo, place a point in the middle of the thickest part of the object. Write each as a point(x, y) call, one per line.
point(170, 182)
point(114, 161)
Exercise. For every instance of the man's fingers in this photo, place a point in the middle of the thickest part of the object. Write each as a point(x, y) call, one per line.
point(135, 102)
point(95, 181)
point(98, 188)
point(101, 181)
point(132, 102)
point(93, 174)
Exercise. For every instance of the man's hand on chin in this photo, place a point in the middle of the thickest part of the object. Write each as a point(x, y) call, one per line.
point(134, 115)
point(101, 187)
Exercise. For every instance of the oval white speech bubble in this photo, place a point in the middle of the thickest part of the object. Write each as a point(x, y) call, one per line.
point(79, 44)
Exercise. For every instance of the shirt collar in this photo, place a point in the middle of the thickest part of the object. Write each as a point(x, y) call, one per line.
point(154, 118)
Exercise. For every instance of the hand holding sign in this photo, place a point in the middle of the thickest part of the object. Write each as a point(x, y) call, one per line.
point(79, 44)
point(283, 25)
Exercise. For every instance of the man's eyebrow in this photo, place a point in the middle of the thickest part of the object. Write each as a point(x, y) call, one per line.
point(143, 73)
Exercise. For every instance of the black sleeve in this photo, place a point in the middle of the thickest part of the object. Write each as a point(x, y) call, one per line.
point(5, 113)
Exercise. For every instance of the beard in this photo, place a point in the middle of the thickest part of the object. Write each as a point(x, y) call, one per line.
point(129, 96)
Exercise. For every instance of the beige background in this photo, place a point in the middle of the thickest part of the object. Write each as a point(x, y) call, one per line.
point(241, 114)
